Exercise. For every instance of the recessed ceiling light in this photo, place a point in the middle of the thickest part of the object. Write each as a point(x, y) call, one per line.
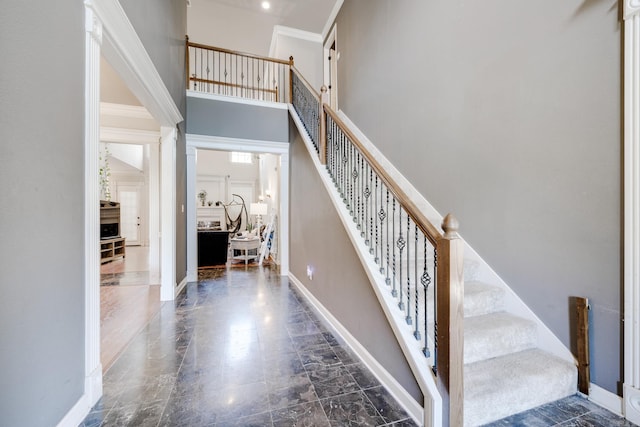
point(266, 5)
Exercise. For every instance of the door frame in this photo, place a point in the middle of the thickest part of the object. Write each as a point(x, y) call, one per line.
point(631, 389)
point(330, 68)
point(109, 33)
point(218, 143)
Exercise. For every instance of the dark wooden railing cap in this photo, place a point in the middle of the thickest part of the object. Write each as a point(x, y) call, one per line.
point(450, 225)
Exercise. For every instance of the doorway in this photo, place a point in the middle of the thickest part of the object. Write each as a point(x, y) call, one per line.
point(331, 56)
point(274, 191)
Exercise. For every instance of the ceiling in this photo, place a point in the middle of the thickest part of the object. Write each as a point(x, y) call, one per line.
point(308, 15)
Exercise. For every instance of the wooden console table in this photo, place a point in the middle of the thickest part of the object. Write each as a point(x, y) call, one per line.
point(111, 249)
point(247, 248)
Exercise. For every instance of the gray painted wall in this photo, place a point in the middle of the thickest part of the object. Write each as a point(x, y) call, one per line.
point(508, 115)
point(236, 120)
point(162, 26)
point(42, 211)
point(318, 238)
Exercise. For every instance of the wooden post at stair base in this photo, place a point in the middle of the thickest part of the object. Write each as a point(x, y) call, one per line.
point(323, 126)
point(291, 79)
point(582, 344)
point(449, 318)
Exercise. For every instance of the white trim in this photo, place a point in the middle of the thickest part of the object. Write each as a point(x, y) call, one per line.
point(631, 7)
point(223, 143)
point(181, 286)
point(332, 18)
point(605, 398)
point(76, 414)
point(237, 100)
point(154, 208)
point(128, 136)
point(391, 384)
point(476, 268)
point(123, 110)
point(631, 389)
point(281, 30)
point(219, 143)
point(168, 214)
point(93, 367)
point(413, 354)
point(631, 404)
point(126, 54)
point(326, 65)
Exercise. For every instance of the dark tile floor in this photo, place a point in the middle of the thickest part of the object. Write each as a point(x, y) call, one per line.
point(573, 411)
point(242, 348)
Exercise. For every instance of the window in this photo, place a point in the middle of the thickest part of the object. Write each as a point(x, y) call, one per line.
point(237, 157)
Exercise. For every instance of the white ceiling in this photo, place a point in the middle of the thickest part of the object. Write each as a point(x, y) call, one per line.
point(308, 15)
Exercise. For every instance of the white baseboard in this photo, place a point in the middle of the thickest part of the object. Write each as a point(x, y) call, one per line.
point(181, 286)
point(631, 404)
point(605, 398)
point(77, 413)
point(395, 389)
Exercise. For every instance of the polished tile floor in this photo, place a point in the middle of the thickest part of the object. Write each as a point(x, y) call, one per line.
point(242, 348)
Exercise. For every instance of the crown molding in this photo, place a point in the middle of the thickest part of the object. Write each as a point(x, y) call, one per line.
point(123, 110)
point(281, 30)
point(129, 136)
point(631, 8)
point(332, 18)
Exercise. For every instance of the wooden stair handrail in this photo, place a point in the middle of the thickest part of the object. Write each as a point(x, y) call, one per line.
point(429, 230)
point(235, 52)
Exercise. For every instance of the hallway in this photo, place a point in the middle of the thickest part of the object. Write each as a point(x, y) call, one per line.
point(242, 348)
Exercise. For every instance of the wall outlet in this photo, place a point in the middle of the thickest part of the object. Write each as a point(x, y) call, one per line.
point(310, 272)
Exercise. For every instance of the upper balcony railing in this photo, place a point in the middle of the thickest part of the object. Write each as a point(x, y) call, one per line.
point(420, 263)
point(226, 72)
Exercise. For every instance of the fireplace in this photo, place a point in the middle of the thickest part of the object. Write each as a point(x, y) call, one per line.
point(109, 219)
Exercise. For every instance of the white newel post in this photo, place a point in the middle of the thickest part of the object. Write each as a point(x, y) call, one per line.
point(632, 211)
point(93, 367)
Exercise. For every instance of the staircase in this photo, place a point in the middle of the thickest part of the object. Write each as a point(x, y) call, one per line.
point(504, 372)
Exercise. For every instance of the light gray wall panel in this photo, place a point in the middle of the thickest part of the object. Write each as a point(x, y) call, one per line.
point(508, 115)
point(319, 239)
point(236, 120)
point(42, 211)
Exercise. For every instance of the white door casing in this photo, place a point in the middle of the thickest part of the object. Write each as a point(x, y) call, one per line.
point(631, 390)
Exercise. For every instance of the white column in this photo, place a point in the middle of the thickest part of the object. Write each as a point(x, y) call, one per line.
point(283, 227)
point(154, 209)
point(631, 392)
point(168, 213)
point(93, 367)
point(192, 233)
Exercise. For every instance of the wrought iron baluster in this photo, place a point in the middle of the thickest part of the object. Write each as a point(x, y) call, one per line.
point(425, 280)
point(394, 292)
point(371, 208)
point(401, 244)
point(408, 293)
point(435, 312)
point(387, 241)
point(416, 332)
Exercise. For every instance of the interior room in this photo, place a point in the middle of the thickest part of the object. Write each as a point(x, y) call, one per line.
point(129, 191)
point(237, 208)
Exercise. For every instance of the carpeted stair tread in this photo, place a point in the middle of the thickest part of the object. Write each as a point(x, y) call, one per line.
point(496, 334)
point(499, 387)
point(480, 298)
